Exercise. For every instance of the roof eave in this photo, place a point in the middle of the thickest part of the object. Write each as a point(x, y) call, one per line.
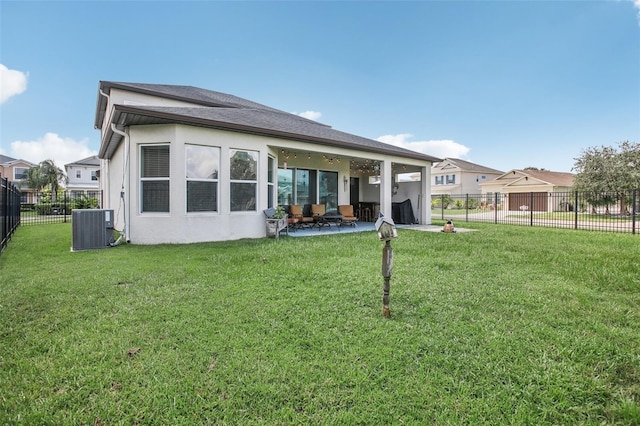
point(123, 113)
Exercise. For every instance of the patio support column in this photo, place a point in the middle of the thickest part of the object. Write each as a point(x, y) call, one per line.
point(385, 187)
point(424, 209)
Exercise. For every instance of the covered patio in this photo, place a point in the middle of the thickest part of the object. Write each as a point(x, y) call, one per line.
point(370, 184)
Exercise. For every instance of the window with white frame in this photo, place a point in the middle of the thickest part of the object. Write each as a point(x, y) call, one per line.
point(202, 171)
point(20, 173)
point(94, 175)
point(244, 180)
point(78, 174)
point(154, 178)
point(451, 179)
point(271, 164)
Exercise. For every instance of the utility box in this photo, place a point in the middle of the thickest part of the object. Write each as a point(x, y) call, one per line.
point(91, 229)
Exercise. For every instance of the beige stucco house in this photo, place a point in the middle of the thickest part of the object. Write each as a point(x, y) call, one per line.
point(15, 170)
point(182, 164)
point(531, 190)
point(453, 176)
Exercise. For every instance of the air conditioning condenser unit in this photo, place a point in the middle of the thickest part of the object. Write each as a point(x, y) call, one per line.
point(91, 229)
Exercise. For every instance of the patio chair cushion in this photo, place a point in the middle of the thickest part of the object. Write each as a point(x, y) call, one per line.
point(317, 209)
point(295, 210)
point(346, 211)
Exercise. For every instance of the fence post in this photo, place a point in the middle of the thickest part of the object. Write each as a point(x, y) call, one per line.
point(531, 208)
point(633, 211)
point(466, 210)
point(64, 207)
point(495, 207)
point(575, 212)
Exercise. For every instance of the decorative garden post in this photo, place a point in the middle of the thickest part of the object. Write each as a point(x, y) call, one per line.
point(386, 231)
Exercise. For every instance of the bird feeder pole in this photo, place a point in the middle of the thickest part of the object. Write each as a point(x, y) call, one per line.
point(386, 232)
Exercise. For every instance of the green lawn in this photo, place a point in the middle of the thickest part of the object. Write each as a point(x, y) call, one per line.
point(506, 325)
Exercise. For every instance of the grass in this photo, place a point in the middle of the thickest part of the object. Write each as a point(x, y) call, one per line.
point(506, 325)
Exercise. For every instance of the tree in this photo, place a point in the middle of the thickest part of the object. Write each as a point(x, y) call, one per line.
point(607, 174)
point(35, 180)
point(46, 174)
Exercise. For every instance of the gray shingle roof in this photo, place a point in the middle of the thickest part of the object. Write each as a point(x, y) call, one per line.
point(89, 161)
point(471, 167)
point(228, 112)
point(5, 159)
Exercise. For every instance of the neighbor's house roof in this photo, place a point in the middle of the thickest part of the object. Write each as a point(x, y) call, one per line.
point(92, 161)
point(552, 178)
point(217, 110)
point(557, 179)
point(8, 161)
point(465, 166)
point(4, 159)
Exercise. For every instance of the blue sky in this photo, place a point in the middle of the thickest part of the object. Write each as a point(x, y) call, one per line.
point(505, 84)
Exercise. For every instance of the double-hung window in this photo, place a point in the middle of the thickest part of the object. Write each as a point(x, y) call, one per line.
point(202, 170)
point(20, 173)
point(244, 180)
point(154, 178)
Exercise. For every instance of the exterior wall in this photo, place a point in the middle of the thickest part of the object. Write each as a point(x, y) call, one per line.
point(178, 226)
point(465, 182)
point(10, 170)
point(111, 182)
point(444, 187)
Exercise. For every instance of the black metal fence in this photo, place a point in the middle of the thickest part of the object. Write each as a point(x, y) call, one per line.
point(48, 209)
point(603, 211)
point(9, 211)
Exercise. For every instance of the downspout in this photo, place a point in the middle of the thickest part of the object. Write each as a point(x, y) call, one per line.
point(125, 180)
point(105, 184)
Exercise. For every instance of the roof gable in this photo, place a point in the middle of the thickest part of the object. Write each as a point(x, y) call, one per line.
point(516, 177)
point(92, 161)
point(13, 162)
point(464, 166)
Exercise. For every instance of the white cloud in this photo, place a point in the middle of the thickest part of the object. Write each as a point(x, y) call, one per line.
point(310, 115)
point(51, 147)
point(12, 83)
point(636, 4)
point(437, 148)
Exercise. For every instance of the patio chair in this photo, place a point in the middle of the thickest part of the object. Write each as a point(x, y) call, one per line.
point(317, 211)
point(348, 218)
point(295, 210)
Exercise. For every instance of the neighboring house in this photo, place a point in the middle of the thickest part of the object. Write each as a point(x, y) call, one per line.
point(515, 189)
point(83, 176)
point(182, 164)
point(16, 172)
point(453, 176)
